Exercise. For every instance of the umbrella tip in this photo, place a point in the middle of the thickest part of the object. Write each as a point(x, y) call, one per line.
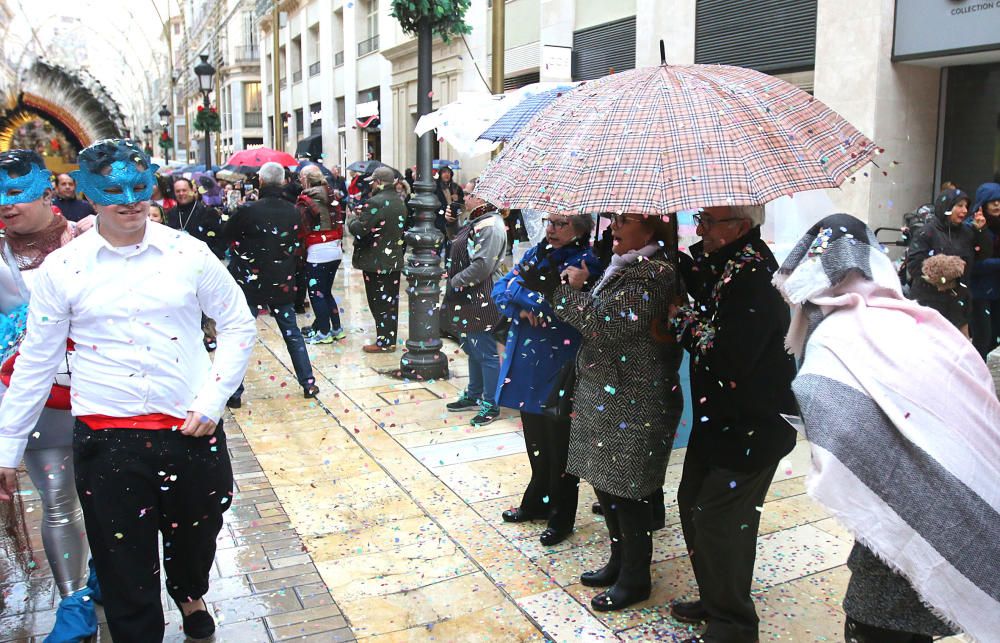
point(663, 53)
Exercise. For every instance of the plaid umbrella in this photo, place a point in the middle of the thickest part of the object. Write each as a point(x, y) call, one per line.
point(668, 138)
point(514, 120)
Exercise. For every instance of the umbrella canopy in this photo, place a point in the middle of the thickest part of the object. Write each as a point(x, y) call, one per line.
point(462, 122)
point(518, 116)
point(668, 138)
point(249, 161)
point(364, 167)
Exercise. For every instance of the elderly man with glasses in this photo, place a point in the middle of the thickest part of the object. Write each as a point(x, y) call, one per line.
point(740, 384)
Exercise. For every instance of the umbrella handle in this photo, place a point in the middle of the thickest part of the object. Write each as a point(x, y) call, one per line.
point(663, 53)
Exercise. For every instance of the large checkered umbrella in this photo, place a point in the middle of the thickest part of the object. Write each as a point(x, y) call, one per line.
point(668, 138)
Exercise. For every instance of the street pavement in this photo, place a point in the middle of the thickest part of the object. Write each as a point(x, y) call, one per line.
point(373, 513)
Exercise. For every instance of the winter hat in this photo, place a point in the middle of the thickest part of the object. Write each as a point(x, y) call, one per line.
point(984, 194)
point(946, 201)
point(836, 247)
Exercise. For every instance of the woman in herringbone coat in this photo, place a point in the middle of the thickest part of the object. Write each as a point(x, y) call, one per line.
point(627, 399)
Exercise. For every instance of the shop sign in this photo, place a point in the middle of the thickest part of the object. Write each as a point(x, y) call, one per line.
point(933, 28)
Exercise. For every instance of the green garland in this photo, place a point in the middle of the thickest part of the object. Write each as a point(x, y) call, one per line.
point(165, 141)
point(447, 16)
point(207, 120)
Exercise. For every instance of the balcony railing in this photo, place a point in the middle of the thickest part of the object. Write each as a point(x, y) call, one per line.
point(247, 54)
point(314, 69)
point(297, 76)
point(368, 46)
point(282, 83)
point(253, 119)
point(338, 59)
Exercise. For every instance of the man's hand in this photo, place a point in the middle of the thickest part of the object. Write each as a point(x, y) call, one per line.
point(978, 220)
point(576, 277)
point(8, 483)
point(87, 222)
point(197, 425)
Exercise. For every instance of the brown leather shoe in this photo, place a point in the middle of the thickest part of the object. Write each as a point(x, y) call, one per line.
point(375, 348)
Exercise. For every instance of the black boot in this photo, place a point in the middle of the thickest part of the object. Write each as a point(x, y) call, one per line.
point(607, 575)
point(634, 583)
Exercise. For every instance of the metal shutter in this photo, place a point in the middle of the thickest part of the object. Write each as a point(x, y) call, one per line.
point(766, 35)
point(514, 82)
point(599, 50)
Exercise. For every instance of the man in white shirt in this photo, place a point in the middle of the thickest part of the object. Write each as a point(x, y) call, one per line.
point(149, 452)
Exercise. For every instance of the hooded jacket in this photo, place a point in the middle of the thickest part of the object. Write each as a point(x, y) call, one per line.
point(940, 236)
point(986, 273)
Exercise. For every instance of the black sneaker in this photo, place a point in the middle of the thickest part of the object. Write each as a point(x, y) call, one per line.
point(487, 413)
point(307, 332)
point(463, 403)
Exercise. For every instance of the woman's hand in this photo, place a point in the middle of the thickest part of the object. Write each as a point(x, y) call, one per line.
point(576, 277)
point(978, 220)
point(531, 317)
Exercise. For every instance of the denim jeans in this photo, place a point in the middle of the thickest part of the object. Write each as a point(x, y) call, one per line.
point(324, 305)
point(484, 366)
point(284, 316)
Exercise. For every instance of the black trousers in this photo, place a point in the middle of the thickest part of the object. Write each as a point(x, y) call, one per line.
point(382, 290)
point(547, 441)
point(858, 632)
point(629, 526)
point(719, 516)
point(137, 484)
point(985, 325)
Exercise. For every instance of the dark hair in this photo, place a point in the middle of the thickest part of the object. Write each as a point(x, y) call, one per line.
point(165, 186)
point(186, 180)
point(96, 158)
point(663, 229)
point(163, 213)
point(18, 162)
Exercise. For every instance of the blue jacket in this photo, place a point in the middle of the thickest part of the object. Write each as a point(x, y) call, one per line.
point(985, 280)
point(534, 355)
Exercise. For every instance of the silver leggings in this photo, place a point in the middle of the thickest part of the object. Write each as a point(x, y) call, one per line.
point(63, 534)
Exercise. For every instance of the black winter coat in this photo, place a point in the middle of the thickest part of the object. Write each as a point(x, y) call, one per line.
point(742, 381)
point(201, 222)
point(265, 236)
point(941, 237)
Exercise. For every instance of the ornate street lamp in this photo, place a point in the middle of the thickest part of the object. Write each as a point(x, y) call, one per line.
point(147, 132)
point(424, 359)
point(164, 115)
point(205, 73)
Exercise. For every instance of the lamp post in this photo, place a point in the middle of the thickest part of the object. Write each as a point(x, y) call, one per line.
point(164, 115)
point(205, 73)
point(149, 139)
point(424, 359)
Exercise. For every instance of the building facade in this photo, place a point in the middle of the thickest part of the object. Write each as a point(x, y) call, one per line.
point(920, 77)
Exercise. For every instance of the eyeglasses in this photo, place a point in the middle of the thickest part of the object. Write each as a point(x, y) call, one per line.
point(701, 221)
point(558, 224)
point(622, 219)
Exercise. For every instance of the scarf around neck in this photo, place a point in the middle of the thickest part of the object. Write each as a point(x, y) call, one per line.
point(618, 262)
point(30, 249)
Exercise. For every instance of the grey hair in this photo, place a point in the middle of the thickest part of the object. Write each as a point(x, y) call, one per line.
point(271, 173)
point(313, 175)
point(754, 213)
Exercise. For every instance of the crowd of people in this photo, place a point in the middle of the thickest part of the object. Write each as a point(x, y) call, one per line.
point(583, 339)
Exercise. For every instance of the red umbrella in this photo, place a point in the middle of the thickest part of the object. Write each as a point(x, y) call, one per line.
point(249, 161)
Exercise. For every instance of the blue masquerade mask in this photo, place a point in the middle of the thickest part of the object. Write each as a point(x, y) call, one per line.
point(24, 189)
point(124, 184)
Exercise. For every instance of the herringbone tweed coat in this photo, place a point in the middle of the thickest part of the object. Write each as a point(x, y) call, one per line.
point(628, 398)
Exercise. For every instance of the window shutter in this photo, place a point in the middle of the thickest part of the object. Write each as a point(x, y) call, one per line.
point(599, 50)
point(766, 35)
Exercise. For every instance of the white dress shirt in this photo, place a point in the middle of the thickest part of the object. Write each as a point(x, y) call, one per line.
point(134, 313)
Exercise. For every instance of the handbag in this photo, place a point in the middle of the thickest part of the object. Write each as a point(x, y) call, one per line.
point(559, 403)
